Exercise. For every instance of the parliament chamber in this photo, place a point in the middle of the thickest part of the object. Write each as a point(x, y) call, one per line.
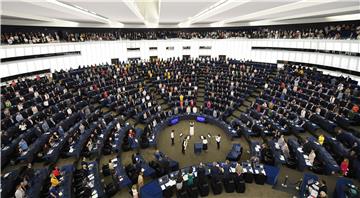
point(203, 99)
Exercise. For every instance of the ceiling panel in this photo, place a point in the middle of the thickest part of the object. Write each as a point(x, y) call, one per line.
point(57, 12)
point(177, 11)
point(244, 9)
point(172, 12)
point(114, 10)
point(315, 8)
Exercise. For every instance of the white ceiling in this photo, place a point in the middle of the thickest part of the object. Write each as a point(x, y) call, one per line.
point(174, 13)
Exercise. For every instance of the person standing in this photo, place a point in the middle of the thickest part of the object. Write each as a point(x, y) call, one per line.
point(218, 140)
point(321, 139)
point(172, 136)
point(20, 191)
point(344, 167)
point(205, 144)
point(179, 181)
point(192, 130)
point(184, 145)
point(134, 191)
point(140, 182)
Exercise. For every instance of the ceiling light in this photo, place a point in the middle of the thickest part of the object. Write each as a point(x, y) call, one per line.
point(79, 9)
point(217, 24)
point(347, 17)
point(261, 22)
point(210, 10)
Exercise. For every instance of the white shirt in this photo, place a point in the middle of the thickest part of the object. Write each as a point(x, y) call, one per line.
point(185, 144)
point(188, 110)
point(312, 156)
point(332, 99)
point(218, 138)
point(303, 113)
point(19, 193)
point(172, 134)
point(34, 109)
point(204, 141)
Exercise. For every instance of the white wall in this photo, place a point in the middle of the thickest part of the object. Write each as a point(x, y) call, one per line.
point(102, 51)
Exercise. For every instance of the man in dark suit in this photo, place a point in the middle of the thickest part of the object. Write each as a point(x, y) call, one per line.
point(215, 171)
point(201, 172)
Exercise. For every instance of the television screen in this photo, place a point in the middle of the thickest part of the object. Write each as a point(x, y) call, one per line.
point(174, 121)
point(200, 119)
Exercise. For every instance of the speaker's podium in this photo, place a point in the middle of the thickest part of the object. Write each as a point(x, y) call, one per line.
point(198, 148)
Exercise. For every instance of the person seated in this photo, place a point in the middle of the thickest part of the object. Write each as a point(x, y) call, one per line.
point(312, 157)
point(307, 146)
point(29, 171)
point(111, 166)
point(215, 171)
point(190, 176)
point(201, 176)
point(83, 171)
point(179, 181)
point(135, 159)
point(56, 172)
point(54, 181)
point(54, 192)
point(226, 168)
point(158, 155)
point(215, 114)
point(321, 139)
point(194, 109)
point(266, 155)
point(131, 133)
point(188, 109)
point(254, 160)
point(281, 141)
point(285, 150)
point(322, 186)
point(23, 146)
point(238, 171)
point(20, 191)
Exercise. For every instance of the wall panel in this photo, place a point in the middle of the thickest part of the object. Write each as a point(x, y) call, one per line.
point(103, 51)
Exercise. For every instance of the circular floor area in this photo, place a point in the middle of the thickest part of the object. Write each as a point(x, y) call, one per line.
point(190, 158)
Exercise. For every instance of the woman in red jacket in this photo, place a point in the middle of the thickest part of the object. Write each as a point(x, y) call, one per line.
point(344, 167)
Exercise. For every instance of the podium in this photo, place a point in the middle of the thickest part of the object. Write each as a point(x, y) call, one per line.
point(198, 148)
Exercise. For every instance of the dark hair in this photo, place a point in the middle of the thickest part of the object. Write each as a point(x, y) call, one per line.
point(179, 175)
